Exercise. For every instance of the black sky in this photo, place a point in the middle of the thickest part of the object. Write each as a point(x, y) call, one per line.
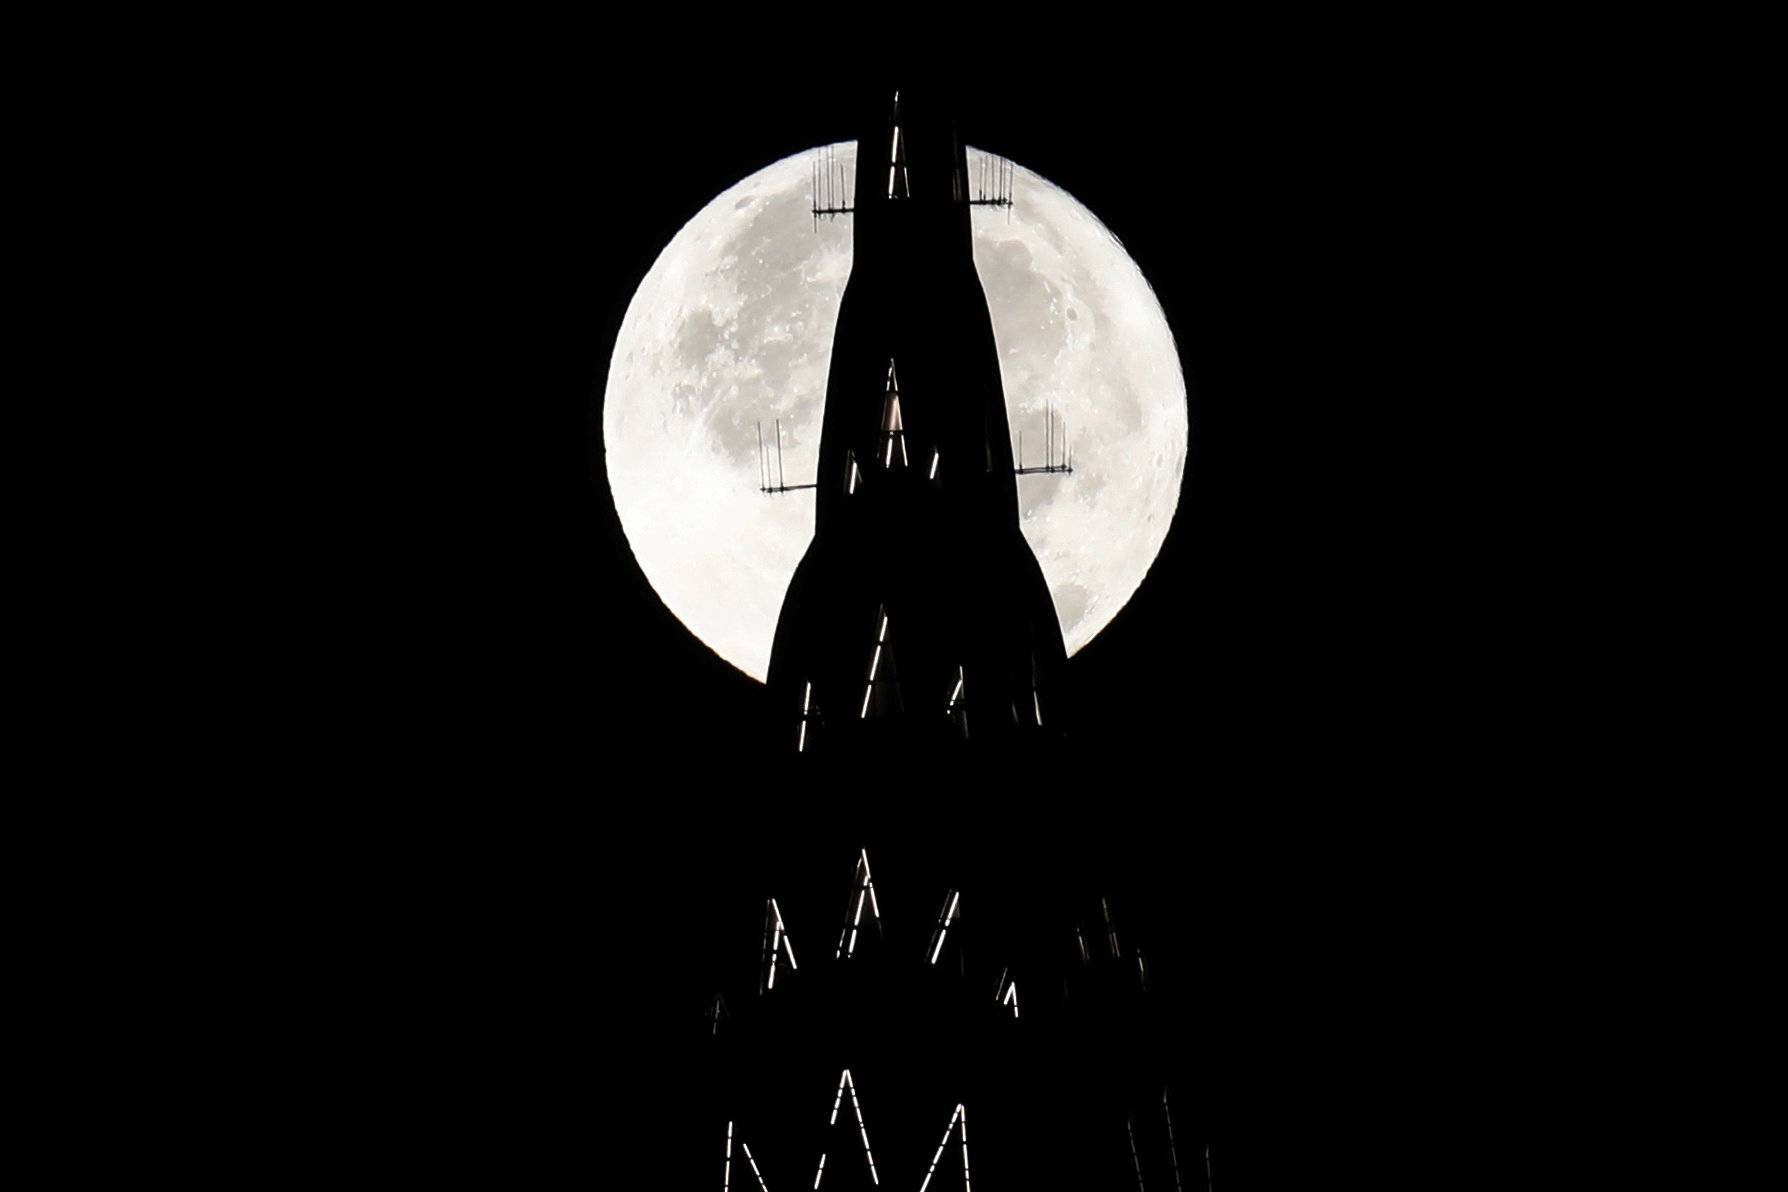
point(1263, 725)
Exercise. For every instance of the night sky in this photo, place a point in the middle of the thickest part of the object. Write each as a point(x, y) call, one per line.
point(591, 824)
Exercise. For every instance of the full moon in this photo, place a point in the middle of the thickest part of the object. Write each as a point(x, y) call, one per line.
point(732, 329)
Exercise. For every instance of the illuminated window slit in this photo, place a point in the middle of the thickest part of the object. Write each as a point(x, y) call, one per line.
point(889, 682)
point(1036, 703)
point(839, 1099)
point(966, 1186)
point(754, 1171)
point(943, 924)
point(1173, 1154)
point(809, 717)
point(955, 707)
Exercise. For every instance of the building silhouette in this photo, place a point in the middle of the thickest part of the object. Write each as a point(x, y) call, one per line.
point(902, 1031)
point(959, 1018)
point(919, 619)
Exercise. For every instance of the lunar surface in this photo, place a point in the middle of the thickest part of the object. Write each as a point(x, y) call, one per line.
point(732, 327)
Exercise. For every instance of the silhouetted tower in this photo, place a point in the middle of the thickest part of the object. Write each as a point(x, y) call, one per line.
point(919, 627)
point(919, 616)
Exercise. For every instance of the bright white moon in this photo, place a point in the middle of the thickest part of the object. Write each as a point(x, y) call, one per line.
point(733, 325)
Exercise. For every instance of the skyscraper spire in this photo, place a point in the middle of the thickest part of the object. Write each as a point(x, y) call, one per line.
point(917, 554)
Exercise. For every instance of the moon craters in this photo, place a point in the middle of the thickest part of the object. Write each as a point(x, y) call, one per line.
point(732, 327)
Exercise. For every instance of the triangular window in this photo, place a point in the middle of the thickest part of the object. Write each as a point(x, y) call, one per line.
point(945, 1168)
point(893, 425)
point(897, 184)
point(779, 950)
point(1006, 992)
point(862, 899)
point(846, 1132)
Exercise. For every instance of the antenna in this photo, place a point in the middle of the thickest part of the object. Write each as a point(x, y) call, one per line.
point(831, 185)
point(1057, 462)
point(763, 464)
point(992, 183)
